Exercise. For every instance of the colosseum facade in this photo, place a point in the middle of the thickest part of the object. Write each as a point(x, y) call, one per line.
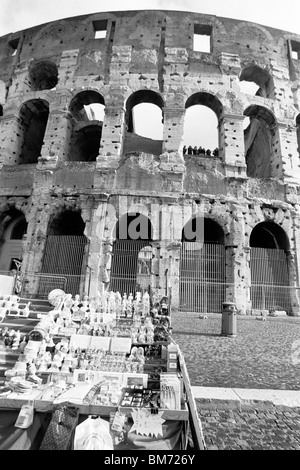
point(89, 200)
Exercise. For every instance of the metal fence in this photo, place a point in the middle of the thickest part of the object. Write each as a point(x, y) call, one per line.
point(38, 286)
point(131, 266)
point(202, 277)
point(273, 297)
point(204, 296)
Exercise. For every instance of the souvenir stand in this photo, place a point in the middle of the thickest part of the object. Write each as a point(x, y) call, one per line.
point(101, 373)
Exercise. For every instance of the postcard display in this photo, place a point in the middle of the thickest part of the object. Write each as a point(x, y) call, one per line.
point(109, 367)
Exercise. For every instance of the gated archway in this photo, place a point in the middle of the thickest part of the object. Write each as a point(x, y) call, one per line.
point(65, 251)
point(269, 268)
point(131, 255)
point(15, 228)
point(202, 267)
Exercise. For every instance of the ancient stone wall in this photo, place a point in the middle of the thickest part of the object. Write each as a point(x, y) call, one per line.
point(50, 73)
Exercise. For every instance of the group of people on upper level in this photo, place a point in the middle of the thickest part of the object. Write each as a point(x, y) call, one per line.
point(199, 151)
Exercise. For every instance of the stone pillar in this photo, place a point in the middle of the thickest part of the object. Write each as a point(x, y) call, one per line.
point(11, 136)
point(286, 149)
point(173, 217)
point(111, 146)
point(237, 259)
point(34, 243)
point(293, 258)
point(238, 277)
point(232, 145)
point(296, 93)
point(173, 129)
point(173, 277)
point(57, 140)
point(67, 68)
point(100, 248)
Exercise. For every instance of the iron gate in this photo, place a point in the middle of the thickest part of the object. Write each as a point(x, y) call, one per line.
point(269, 279)
point(202, 277)
point(131, 266)
point(64, 255)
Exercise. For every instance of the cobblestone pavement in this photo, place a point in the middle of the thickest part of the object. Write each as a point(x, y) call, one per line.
point(265, 428)
point(263, 355)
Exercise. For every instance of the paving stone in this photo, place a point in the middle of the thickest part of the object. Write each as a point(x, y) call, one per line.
point(258, 359)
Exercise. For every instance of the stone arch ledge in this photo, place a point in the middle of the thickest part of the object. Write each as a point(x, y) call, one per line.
point(243, 24)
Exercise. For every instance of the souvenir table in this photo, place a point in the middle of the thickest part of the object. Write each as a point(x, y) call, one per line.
point(105, 367)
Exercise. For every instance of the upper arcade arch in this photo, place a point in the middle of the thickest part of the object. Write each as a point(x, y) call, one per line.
point(264, 81)
point(87, 105)
point(33, 122)
point(201, 124)
point(43, 76)
point(298, 132)
point(138, 136)
point(260, 144)
point(87, 109)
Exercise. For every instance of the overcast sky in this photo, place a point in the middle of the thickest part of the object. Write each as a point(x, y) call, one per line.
point(16, 15)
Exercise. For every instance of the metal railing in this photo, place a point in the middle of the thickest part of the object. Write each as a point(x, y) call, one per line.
point(74, 283)
point(273, 297)
point(204, 296)
point(38, 286)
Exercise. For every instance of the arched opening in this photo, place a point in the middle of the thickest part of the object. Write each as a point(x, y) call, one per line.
point(19, 229)
point(144, 122)
point(43, 76)
point(88, 105)
point(33, 121)
point(132, 255)
point(256, 81)
point(269, 268)
point(258, 136)
point(298, 132)
point(13, 227)
point(202, 266)
point(65, 252)
point(87, 109)
point(85, 143)
point(201, 124)
point(1, 110)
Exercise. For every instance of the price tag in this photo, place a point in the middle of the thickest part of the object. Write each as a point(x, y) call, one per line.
point(146, 424)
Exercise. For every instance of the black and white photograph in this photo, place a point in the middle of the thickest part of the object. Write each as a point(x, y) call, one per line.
point(149, 228)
